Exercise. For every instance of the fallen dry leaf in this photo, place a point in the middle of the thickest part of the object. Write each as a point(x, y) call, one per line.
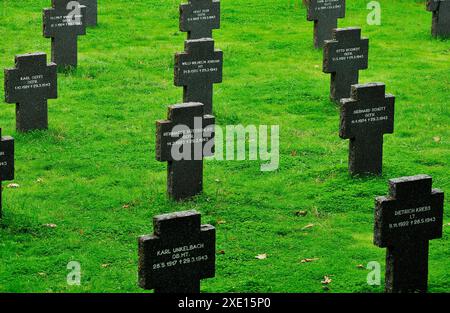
point(308, 226)
point(217, 180)
point(221, 252)
point(261, 256)
point(293, 153)
point(309, 260)
point(105, 265)
point(13, 185)
point(125, 206)
point(301, 213)
point(437, 139)
point(220, 222)
point(326, 280)
point(50, 225)
point(360, 266)
point(39, 180)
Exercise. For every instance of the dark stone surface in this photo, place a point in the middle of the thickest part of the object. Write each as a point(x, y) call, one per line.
point(91, 11)
point(197, 69)
point(343, 57)
point(325, 14)
point(6, 162)
point(178, 255)
point(199, 17)
point(185, 173)
point(405, 221)
point(441, 17)
point(29, 85)
point(365, 118)
point(64, 31)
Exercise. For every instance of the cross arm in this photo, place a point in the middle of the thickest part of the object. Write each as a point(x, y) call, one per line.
point(390, 105)
point(145, 244)
point(208, 236)
point(345, 129)
point(10, 75)
point(329, 46)
point(6, 158)
point(382, 206)
point(209, 134)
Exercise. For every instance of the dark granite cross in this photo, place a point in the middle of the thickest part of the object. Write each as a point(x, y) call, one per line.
point(64, 22)
point(179, 254)
point(325, 14)
point(199, 17)
point(91, 11)
point(365, 118)
point(405, 221)
point(197, 69)
point(343, 57)
point(183, 141)
point(6, 162)
point(29, 85)
point(441, 17)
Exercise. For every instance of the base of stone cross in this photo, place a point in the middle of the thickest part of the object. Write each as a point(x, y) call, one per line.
point(341, 85)
point(184, 179)
point(366, 156)
point(65, 53)
point(32, 116)
point(407, 267)
point(323, 30)
point(183, 287)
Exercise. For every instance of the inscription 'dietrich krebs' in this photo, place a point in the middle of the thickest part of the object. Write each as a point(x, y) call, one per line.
point(348, 54)
point(328, 5)
point(201, 15)
point(200, 66)
point(32, 82)
point(370, 115)
point(180, 256)
point(411, 218)
point(66, 20)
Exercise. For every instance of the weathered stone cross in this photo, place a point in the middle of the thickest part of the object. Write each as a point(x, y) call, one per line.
point(179, 254)
point(199, 17)
point(365, 118)
point(405, 221)
point(29, 85)
point(343, 57)
point(197, 69)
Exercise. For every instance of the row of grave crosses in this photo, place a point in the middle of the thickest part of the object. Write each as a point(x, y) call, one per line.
point(181, 252)
point(187, 136)
point(325, 15)
point(32, 82)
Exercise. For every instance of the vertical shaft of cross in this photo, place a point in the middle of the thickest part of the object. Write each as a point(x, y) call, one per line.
point(202, 93)
point(366, 156)
point(403, 258)
point(200, 33)
point(323, 30)
point(65, 52)
point(341, 83)
point(31, 115)
point(184, 173)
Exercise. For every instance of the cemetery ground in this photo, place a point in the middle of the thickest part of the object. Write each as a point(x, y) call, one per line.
point(89, 186)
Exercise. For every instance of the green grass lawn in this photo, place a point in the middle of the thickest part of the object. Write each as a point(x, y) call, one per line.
point(94, 173)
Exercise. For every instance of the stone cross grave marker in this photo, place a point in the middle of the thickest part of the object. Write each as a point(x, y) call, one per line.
point(199, 17)
point(441, 17)
point(91, 11)
point(64, 22)
point(365, 118)
point(6, 162)
point(325, 14)
point(197, 69)
point(343, 57)
point(183, 141)
point(178, 255)
point(405, 221)
point(29, 85)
